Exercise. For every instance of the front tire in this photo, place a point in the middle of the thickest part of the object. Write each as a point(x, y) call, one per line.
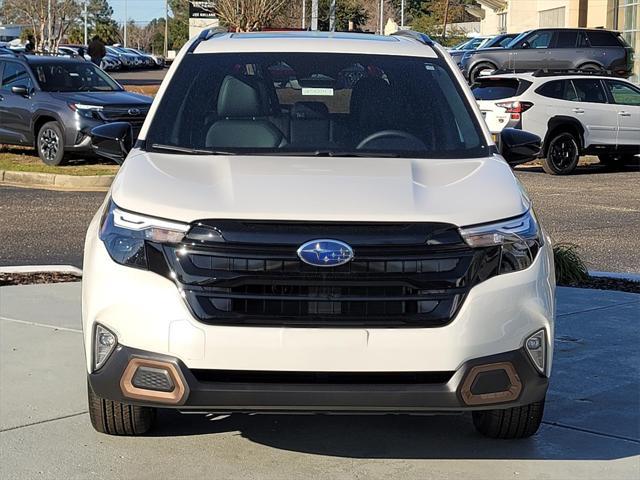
point(50, 144)
point(115, 418)
point(509, 423)
point(562, 155)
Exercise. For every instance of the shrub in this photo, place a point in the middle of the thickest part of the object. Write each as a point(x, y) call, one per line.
point(570, 268)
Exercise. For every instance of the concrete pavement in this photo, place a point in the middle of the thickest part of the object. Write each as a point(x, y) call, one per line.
point(591, 428)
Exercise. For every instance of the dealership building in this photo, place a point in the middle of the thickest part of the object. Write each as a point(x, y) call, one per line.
point(499, 16)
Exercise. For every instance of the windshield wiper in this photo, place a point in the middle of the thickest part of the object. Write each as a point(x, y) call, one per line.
point(189, 151)
point(332, 153)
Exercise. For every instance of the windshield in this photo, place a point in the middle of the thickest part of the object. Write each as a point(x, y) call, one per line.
point(73, 77)
point(315, 104)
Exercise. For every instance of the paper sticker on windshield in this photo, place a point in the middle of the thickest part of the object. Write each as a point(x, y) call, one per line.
point(326, 92)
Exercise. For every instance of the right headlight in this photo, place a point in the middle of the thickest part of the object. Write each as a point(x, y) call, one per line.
point(520, 239)
point(125, 235)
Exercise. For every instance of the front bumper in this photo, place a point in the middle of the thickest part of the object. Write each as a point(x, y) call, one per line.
point(225, 392)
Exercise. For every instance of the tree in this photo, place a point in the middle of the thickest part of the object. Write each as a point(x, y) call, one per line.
point(248, 15)
point(100, 21)
point(62, 16)
point(178, 24)
point(346, 10)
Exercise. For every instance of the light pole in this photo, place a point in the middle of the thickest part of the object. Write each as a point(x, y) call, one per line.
point(85, 22)
point(332, 16)
point(125, 23)
point(49, 24)
point(304, 14)
point(166, 28)
point(314, 14)
point(381, 16)
point(402, 14)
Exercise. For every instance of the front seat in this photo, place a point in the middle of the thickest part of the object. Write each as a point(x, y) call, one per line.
point(242, 114)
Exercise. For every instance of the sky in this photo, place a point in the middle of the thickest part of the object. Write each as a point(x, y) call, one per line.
point(137, 10)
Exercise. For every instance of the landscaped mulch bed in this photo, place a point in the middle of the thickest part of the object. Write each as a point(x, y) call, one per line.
point(38, 277)
point(606, 283)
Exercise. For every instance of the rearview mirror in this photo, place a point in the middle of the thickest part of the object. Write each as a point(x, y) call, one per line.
point(518, 146)
point(20, 90)
point(112, 140)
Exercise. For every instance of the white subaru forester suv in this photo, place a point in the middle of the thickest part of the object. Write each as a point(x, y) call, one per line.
point(316, 222)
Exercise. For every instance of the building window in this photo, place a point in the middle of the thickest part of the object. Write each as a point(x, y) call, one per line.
point(502, 22)
point(553, 17)
point(629, 25)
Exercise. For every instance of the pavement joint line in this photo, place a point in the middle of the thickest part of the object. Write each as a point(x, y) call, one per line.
point(604, 307)
point(45, 325)
point(48, 420)
point(592, 432)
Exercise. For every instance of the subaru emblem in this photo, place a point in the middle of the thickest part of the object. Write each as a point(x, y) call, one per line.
point(325, 253)
point(134, 112)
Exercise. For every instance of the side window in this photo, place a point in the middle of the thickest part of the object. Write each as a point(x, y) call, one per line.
point(560, 89)
point(540, 39)
point(623, 94)
point(589, 90)
point(566, 39)
point(13, 75)
point(603, 39)
point(582, 40)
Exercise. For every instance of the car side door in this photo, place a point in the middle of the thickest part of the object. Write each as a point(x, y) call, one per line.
point(16, 108)
point(597, 115)
point(626, 99)
point(533, 51)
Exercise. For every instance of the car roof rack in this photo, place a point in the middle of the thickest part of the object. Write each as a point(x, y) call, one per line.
point(418, 36)
point(553, 72)
point(206, 34)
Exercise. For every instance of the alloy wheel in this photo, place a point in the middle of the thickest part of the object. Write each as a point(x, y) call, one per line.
point(562, 152)
point(49, 143)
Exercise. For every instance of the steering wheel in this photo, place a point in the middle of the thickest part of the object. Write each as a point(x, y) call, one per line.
point(414, 141)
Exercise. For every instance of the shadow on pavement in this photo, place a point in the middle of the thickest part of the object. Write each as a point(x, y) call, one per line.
point(396, 437)
point(593, 168)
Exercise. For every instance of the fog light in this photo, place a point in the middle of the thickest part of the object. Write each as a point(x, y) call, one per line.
point(536, 347)
point(105, 343)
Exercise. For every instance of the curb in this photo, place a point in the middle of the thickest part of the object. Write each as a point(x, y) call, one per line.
point(70, 269)
point(38, 179)
point(632, 277)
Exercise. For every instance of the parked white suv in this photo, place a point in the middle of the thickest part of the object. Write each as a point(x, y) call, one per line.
point(576, 114)
point(316, 222)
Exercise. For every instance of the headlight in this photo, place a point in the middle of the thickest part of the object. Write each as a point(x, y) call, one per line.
point(85, 110)
point(520, 239)
point(124, 235)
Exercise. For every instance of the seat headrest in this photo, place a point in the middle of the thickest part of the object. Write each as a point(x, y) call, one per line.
point(309, 111)
point(240, 98)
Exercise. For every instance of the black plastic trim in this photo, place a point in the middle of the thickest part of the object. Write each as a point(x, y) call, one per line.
point(389, 396)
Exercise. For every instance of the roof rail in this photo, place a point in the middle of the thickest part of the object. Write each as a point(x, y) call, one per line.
point(418, 36)
point(206, 34)
point(551, 72)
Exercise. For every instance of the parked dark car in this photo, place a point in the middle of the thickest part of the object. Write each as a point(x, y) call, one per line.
point(52, 103)
point(554, 48)
point(499, 41)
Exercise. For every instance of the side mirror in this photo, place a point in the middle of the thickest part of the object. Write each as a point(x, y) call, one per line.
point(518, 146)
point(20, 90)
point(112, 140)
point(525, 44)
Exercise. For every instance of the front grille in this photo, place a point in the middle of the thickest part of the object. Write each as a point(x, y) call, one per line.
point(321, 378)
point(132, 114)
point(419, 281)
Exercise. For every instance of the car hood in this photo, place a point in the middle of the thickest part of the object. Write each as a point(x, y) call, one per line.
point(104, 98)
point(188, 188)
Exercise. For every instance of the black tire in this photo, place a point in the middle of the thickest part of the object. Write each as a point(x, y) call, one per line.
point(563, 154)
point(115, 418)
point(516, 422)
point(475, 71)
point(50, 144)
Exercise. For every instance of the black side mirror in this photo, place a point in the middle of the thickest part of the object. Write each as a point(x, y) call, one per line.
point(518, 146)
point(20, 90)
point(112, 140)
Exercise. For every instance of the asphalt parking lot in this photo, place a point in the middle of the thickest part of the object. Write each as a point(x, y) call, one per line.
point(590, 429)
point(595, 209)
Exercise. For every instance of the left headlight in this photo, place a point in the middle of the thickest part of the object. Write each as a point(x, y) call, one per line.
point(520, 239)
point(87, 111)
point(124, 234)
